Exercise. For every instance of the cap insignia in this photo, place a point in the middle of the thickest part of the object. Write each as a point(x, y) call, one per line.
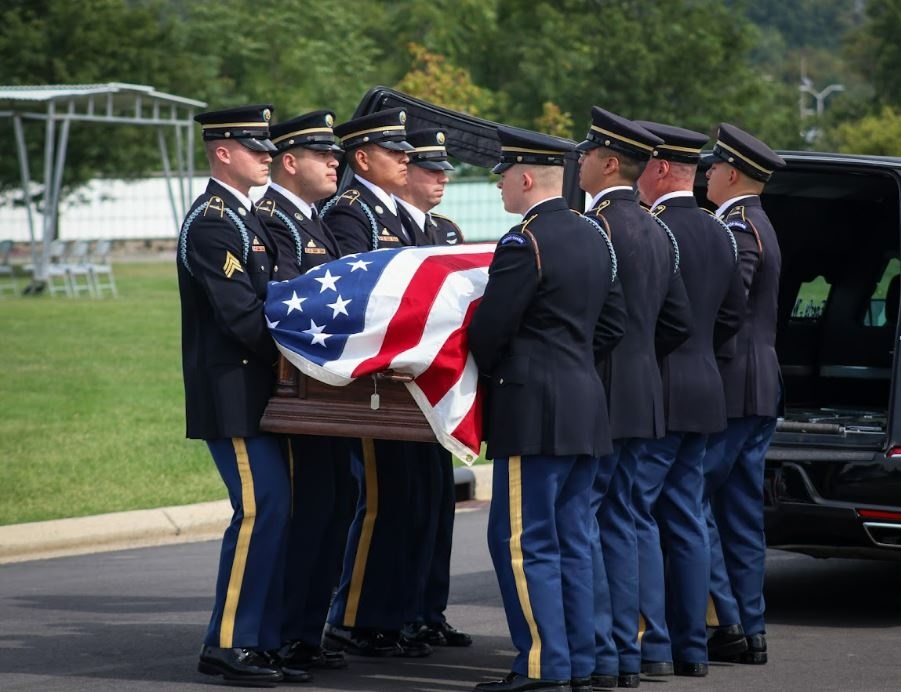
point(440, 138)
point(402, 116)
point(267, 114)
point(329, 120)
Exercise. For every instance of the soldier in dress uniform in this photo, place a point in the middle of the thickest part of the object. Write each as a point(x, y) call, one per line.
point(733, 465)
point(614, 154)
point(536, 335)
point(669, 479)
point(367, 613)
point(364, 215)
point(323, 489)
point(225, 260)
point(433, 490)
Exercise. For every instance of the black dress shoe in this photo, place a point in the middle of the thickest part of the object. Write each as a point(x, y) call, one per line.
point(603, 682)
point(726, 643)
point(580, 684)
point(442, 634)
point(515, 682)
point(628, 680)
point(357, 642)
point(756, 653)
point(243, 666)
point(692, 670)
point(406, 647)
point(298, 654)
point(656, 668)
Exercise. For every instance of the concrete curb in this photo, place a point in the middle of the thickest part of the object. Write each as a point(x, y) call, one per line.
point(116, 531)
point(146, 527)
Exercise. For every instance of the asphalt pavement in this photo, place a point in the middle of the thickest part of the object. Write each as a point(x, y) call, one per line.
point(133, 620)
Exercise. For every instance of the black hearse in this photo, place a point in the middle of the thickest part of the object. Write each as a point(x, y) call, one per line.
point(833, 472)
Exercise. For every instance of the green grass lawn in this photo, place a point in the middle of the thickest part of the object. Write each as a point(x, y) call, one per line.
point(91, 403)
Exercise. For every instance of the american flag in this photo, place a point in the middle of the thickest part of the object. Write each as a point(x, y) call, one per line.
point(403, 309)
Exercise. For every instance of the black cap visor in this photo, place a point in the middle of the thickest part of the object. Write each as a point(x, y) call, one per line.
point(255, 144)
point(433, 164)
point(394, 145)
point(501, 167)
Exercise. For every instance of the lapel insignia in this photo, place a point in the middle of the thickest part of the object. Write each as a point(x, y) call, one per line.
point(242, 211)
point(266, 206)
point(379, 210)
point(298, 216)
point(231, 265)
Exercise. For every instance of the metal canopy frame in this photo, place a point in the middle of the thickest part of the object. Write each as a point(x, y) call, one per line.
point(59, 105)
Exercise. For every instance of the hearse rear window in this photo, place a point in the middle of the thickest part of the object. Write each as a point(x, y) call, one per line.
point(882, 308)
point(811, 300)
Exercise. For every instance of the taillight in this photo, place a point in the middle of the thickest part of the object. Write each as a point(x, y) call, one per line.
point(878, 514)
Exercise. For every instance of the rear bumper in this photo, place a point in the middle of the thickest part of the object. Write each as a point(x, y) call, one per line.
point(798, 517)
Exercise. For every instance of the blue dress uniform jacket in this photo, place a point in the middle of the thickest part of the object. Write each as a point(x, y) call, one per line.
point(302, 243)
point(692, 389)
point(225, 262)
point(360, 222)
point(658, 310)
point(444, 231)
point(544, 396)
point(748, 362)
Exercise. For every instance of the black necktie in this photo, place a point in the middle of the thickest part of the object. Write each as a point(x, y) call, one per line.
point(313, 213)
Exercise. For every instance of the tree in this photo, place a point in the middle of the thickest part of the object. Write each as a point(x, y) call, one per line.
point(554, 121)
point(436, 80)
point(878, 134)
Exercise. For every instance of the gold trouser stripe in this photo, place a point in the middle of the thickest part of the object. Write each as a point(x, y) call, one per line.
point(712, 618)
point(363, 543)
point(291, 471)
point(519, 572)
point(242, 547)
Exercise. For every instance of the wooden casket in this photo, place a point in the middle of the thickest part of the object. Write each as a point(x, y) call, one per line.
point(302, 405)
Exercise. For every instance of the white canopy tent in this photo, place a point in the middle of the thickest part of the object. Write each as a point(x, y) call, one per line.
point(59, 105)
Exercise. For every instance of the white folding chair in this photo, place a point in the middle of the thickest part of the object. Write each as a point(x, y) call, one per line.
point(57, 269)
point(100, 265)
point(6, 268)
point(78, 265)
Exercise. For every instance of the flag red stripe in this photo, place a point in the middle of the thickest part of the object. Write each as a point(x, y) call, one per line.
point(445, 370)
point(408, 323)
point(469, 431)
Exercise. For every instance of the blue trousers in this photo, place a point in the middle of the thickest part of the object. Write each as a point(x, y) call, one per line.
point(606, 654)
point(248, 607)
point(323, 499)
point(619, 545)
point(674, 556)
point(733, 486)
point(374, 584)
point(433, 503)
point(538, 536)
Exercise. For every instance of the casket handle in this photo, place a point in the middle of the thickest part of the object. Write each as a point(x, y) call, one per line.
point(393, 376)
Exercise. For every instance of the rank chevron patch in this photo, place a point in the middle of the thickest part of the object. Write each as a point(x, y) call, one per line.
point(231, 265)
